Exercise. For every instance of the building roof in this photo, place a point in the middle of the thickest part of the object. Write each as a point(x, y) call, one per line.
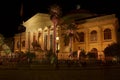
point(78, 14)
point(38, 20)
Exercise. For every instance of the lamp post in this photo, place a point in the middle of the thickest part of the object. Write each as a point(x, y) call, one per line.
point(57, 39)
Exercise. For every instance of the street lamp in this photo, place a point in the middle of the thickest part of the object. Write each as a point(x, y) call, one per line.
point(57, 50)
point(57, 40)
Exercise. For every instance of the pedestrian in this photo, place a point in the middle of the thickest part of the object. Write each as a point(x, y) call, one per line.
point(78, 53)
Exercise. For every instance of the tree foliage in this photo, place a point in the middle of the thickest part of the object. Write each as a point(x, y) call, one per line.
point(70, 32)
point(112, 50)
point(91, 55)
point(55, 11)
point(3, 46)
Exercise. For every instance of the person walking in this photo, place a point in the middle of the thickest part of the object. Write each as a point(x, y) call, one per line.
point(78, 53)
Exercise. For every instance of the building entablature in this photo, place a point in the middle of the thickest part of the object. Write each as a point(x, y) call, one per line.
point(99, 21)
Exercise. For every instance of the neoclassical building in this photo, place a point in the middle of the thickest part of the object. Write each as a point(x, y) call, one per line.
point(36, 30)
point(95, 34)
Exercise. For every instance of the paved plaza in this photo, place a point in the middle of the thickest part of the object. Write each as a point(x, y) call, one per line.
point(62, 72)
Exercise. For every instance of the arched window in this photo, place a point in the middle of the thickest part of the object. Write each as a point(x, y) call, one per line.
point(93, 53)
point(107, 34)
point(93, 35)
point(94, 50)
point(81, 36)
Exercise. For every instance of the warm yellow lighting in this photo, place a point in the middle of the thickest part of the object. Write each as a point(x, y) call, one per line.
point(40, 29)
point(57, 38)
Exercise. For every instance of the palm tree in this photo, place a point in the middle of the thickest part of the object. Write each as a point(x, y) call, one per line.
point(55, 13)
point(70, 34)
point(69, 25)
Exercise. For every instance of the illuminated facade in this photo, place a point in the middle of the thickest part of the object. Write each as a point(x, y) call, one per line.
point(95, 34)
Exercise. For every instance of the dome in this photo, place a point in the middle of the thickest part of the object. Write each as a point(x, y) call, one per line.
point(78, 14)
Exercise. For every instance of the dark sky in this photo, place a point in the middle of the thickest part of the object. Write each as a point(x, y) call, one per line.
point(10, 10)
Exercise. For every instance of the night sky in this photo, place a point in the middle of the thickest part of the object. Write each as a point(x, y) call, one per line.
point(11, 18)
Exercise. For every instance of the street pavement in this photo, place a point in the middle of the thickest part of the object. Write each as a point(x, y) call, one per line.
point(60, 72)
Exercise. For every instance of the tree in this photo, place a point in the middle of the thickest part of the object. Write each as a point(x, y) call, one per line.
point(70, 34)
point(3, 46)
point(1, 39)
point(30, 56)
point(55, 13)
point(112, 50)
point(91, 55)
